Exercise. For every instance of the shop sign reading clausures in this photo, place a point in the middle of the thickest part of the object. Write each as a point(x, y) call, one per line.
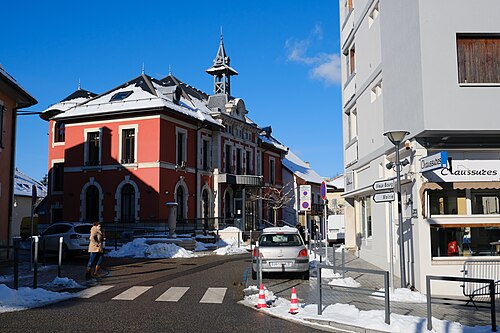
point(466, 170)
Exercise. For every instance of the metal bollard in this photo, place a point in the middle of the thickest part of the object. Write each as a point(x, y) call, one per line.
point(334, 260)
point(16, 263)
point(60, 257)
point(251, 238)
point(35, 264)
point(343, 263)
point(217, 239)
point(320, 295)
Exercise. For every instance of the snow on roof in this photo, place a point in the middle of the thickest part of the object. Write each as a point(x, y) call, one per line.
point(137, 97)
point(337, 182)
point(220, 68)
point(301, 169)
point(273, 142)
point(23, 183)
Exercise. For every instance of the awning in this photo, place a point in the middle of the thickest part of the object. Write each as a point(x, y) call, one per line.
point(476, 185)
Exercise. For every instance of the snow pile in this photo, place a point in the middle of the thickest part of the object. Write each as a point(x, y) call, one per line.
point(346, 282)
point(200, 246)
point(138, 248)
point(403, 295)
point(25, 298)
point(230, 246)
point(63, 283)
point(350, 315)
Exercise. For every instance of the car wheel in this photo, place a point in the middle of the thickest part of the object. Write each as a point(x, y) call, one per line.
point(254, 275)
point(305, 275)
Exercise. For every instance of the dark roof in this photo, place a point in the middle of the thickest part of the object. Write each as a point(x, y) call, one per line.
point(10, 86)
point(80, 93)
point(171, 80)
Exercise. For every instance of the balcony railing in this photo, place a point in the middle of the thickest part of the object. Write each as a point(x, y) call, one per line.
point(240, 179)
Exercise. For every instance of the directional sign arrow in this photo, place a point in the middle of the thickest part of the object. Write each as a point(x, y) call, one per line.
point(383, 197)
point(386, 184)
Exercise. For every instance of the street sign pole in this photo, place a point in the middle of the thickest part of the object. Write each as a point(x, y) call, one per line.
point(391, 247)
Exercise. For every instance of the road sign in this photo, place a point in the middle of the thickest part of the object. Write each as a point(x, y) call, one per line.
point(435, 161)
point(384, 197)
point(386, 184)
point(323, 190)
point(305, 197)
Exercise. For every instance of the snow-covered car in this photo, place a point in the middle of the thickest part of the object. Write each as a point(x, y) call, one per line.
point(75, 238)
point(282, 249)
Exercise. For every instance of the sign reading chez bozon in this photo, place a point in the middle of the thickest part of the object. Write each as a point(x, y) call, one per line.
point(466, 170)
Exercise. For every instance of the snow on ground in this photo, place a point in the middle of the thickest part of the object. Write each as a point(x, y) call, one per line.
point(63, 283)
point(346, 282)
point(350, 315)
point(230, 246)
point(403, 295)
point(25, 298)
point(138, 248)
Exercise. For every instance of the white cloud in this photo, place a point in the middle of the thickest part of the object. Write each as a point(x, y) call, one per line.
point(324, 66)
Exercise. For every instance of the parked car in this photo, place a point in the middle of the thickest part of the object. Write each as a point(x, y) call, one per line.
point(75, 238)
point(282, 249)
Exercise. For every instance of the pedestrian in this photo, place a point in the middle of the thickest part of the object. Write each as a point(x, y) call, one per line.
point(301, 231)
point(96, 250)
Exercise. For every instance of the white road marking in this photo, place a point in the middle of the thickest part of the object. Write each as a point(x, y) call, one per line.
point(173, 294)
point(92, 291)
point(214, 295)
point(132, 293)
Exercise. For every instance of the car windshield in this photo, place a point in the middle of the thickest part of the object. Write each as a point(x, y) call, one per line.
point(280, 240)
point(83, 229)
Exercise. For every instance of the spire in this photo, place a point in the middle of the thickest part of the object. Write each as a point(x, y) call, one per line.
point(142, 68)
point(221, 69)
point(79, 84)
point(169, 70)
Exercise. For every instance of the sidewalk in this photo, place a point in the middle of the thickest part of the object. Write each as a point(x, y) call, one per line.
point(452, 310)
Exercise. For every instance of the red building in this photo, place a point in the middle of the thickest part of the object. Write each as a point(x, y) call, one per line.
point(12, 98)
point(122, 155)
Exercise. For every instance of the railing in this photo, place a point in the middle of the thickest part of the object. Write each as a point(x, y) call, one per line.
point(365, 291)
point(491, 285)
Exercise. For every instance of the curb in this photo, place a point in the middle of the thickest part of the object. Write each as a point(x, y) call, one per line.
point(344, 327)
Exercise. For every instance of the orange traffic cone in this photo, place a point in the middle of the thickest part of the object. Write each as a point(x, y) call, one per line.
point(262, 298)
point(294, 302)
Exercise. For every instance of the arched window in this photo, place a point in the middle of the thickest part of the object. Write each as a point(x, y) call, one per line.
point(92, 204)
point(205, 207)
point(181, 208)
point(227, 206)
point(128, 203)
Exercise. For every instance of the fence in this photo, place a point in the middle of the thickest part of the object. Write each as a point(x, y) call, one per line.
point(366, 291)
point(491, 285)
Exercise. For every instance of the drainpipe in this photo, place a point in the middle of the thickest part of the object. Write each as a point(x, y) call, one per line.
point(12, 172)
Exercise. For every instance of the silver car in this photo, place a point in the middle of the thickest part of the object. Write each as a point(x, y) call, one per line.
point(75, 238)
point(282, 249)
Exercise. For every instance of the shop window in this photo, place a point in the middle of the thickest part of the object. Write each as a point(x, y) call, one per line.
point(478, 58)
point(485, 201)
point(448, 202)
point(366, 217)
point(465, 241)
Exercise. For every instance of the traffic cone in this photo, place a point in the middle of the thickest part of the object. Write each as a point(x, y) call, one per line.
point(294, 302)
point(262, 298)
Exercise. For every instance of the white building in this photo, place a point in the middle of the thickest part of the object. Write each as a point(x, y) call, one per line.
point(431, 68)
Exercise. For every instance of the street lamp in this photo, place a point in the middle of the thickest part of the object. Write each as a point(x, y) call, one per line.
point(396, 137)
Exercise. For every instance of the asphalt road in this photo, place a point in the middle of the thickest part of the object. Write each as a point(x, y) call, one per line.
point(201, 296)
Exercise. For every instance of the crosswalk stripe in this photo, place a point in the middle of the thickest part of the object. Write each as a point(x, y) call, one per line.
point(92, 291)
point(214, 295)
point(132, 293)
point(173, 294)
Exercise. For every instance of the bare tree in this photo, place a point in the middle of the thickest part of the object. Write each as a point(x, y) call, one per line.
point(274, 197)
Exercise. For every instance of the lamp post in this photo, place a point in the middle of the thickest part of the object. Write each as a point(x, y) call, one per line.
point(396, 137)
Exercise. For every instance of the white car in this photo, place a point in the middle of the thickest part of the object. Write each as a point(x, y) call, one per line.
point(282, 249)
point(75, 238)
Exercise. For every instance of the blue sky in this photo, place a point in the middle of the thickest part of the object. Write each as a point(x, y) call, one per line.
point(286, 53)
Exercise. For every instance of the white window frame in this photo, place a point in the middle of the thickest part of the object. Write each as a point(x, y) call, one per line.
point(135, 127)
point(184, 133)
point(86, 146)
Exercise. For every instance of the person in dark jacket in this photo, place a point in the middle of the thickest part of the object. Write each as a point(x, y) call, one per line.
point(301, 231)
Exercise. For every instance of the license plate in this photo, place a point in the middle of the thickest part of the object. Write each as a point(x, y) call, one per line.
point(280, 264)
